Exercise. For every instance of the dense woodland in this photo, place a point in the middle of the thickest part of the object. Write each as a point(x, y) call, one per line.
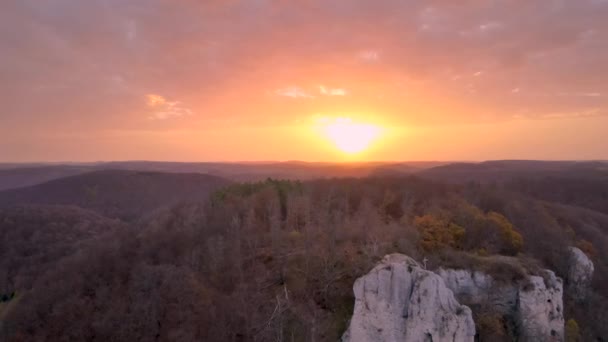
point(276, 260)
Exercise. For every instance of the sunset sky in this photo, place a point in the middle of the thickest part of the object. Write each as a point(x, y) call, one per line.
point(198, 80)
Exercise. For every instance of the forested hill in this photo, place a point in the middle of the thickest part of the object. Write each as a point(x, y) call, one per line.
point(505, 170)
point(117, 193)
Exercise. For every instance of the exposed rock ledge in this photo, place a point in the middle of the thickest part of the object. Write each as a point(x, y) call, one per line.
point(400, 301)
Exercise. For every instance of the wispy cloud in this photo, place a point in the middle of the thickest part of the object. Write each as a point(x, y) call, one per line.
point(583, 94)
point(154, 100)
point(238, 51)
point(332, 91)
point(293, 92)
point(369, 56)
point(163, 109)
point(578, 114)
point(592, 94)
point(131, 30)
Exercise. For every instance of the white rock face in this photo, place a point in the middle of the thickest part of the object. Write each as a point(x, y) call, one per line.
point(400, 301)
point(474, 287)
point(535, 306)
point(580, 273)
point(540, 309)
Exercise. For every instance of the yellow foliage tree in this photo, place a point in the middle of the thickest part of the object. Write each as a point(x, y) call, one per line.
point(511, 241)
point(437, 233)
point(573, 333)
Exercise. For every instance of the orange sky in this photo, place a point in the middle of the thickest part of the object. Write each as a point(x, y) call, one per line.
point(255, 80)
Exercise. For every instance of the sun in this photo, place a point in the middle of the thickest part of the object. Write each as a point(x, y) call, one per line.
point(350, 137)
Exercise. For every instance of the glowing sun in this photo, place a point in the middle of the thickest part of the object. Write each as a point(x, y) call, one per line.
point(351, 137)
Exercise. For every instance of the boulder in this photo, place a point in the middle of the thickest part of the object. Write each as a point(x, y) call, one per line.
point(398, 300)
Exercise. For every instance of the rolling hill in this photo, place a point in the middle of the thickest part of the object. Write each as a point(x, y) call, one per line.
point(18, 177)
point(117, 193)
point(13, 176)
point(503, 170)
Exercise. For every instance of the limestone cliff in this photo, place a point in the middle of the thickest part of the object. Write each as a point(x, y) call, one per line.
point(580, 273)
point(400, 301)
point(534, 305)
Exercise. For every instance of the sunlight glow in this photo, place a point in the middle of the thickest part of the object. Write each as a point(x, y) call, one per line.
point(351, 137)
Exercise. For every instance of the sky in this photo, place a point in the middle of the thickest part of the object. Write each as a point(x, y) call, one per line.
point(228, 80)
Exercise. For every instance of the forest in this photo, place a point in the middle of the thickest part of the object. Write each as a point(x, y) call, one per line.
point(275, 260)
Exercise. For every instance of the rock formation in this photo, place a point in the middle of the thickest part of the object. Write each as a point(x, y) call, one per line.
point(580, 273)
point(535, 305)
point(540, 309)
point(400, 301)
point(470, 287)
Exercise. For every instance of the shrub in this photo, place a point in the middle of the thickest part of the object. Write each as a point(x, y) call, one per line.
point(490, 326)
point(572, 331)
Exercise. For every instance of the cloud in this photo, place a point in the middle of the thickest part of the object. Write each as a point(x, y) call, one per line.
point(154, 100)
point(301, 93)
point(332, 91)
point(369, 56)
point(223, 55)
point(131, 30)
point(593, 112)
point(162, 109)
point(293, 92)
point(584, 94)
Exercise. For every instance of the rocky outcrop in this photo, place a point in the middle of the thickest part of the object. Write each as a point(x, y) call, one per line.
point(580, 273)
point(472, 287)
point(534, 305)
point(540, 309)
point(400, 301)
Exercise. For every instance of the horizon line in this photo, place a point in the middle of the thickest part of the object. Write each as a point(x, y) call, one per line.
point(63, 162)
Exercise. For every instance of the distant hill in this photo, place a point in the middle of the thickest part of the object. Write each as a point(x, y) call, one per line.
point(279, 170)
point(18, 177)
point(117, 193)
point(502, 170)
point(14, 176)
